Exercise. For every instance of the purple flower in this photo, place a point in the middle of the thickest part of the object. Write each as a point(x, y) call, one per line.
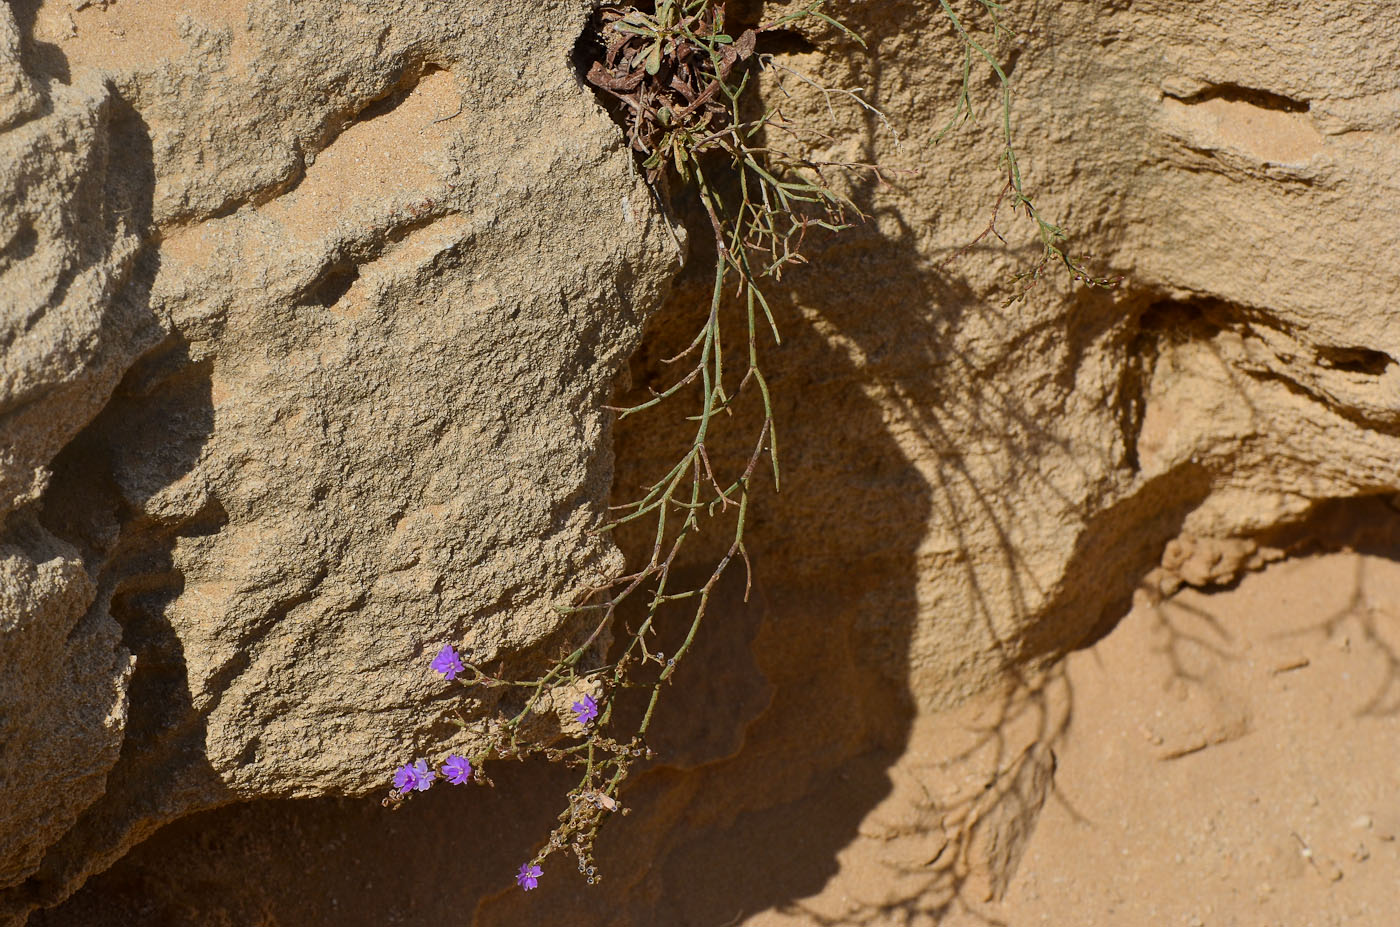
point(425, 776)
point(414, 777)
point(457, 770)
point(586, 710)
point(528, 876)
point(448, 662)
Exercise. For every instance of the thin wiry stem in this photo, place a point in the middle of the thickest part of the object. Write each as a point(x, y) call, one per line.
point(685, 85)
point(1053, 238)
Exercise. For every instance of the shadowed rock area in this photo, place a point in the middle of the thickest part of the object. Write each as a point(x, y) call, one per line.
point(309, 318)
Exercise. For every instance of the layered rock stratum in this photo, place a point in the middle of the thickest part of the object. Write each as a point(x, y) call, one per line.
point(309, 314)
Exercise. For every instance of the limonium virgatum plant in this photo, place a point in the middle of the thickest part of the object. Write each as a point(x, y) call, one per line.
point(683, 87)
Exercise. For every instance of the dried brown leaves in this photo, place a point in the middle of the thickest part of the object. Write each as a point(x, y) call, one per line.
point(670, 71)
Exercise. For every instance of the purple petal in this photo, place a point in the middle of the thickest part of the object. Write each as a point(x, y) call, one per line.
point(528, 877)
point(448, 662)
point(586, 710)
point(457, 770)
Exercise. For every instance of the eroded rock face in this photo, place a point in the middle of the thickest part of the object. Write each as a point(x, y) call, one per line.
point(363, 334)
point(971, 489)
point(990, 482)
point(72, 318)
point(310, 317)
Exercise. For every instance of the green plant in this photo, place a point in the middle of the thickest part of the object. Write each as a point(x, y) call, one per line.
point(682, 87)
point(1054, 240)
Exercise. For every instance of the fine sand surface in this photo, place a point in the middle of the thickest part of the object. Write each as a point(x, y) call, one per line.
point(1230, 758)
point(1234, 759)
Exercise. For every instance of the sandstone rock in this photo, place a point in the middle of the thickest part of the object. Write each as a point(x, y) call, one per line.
point(72, 317)
point(64, 691)
point(365, 318)
point(388, 324)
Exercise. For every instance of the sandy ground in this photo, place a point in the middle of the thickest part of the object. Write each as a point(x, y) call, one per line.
point(1224, 759)
point(1235, 760)
point(1217, 759)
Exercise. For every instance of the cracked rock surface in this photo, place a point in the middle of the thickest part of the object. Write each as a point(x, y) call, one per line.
point(309, 312)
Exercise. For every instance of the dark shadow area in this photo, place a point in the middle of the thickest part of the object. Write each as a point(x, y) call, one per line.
point(148, 437)
point(1263, 99)
point(334, 282)
point(704, 718)
point(1364, 361)
point(42, 59)
point(981, 795)
point(1366, 524)
point(330, 861)
point(21, 244)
